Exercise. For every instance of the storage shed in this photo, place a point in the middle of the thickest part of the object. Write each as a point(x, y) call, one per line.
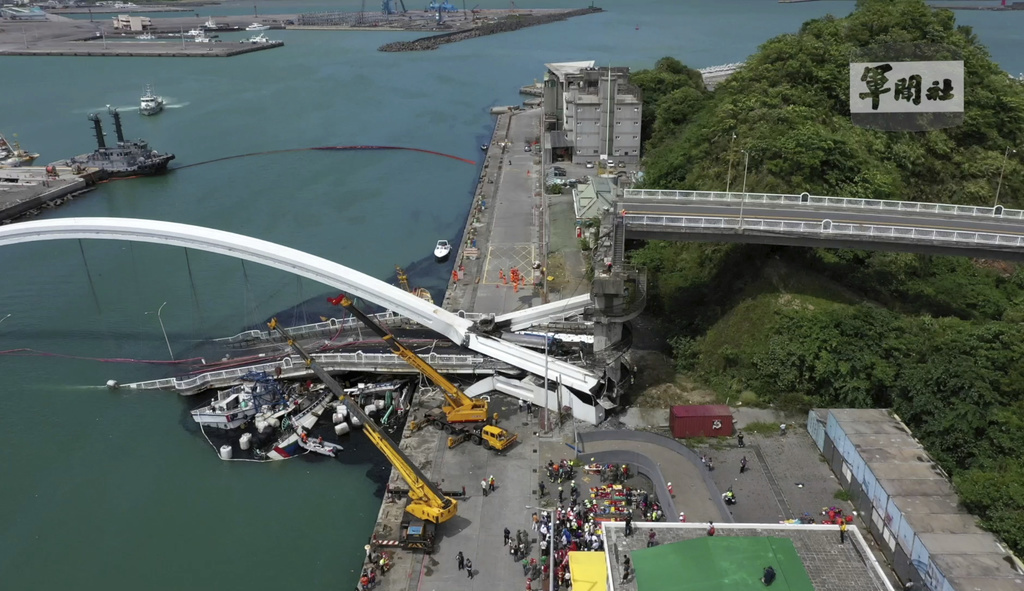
point(703, 420)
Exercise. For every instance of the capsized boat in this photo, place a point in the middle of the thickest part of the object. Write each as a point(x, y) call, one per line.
point(290, 443)
point(12, 155)
point(150, 104)
point(442, 250)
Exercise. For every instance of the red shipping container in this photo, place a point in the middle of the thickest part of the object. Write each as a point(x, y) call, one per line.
point(705, 420)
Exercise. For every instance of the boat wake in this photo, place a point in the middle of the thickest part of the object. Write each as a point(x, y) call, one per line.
point(169, 105)
point(134, 107)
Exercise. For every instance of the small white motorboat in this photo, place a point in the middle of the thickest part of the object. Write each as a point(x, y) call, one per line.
point(257, 27)
point(442, 250)
point(194, 32)
point(145, 37)
point(150, 104)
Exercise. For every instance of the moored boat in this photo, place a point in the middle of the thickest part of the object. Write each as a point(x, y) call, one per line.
point(12, 155)
point(257, 27)
point(229, 410)
point(442, 250)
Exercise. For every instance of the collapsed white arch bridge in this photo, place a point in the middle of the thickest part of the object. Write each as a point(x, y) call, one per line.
point(576, 379)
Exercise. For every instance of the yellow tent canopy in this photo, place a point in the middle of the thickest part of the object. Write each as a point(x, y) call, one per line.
point(589, 571)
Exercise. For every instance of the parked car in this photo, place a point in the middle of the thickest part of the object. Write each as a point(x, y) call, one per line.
point(590, 164)
point(622, 164)
point(558, 169)
point(526, 148)
point(558, 172)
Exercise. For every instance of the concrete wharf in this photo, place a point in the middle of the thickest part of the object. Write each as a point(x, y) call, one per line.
point(26, 190)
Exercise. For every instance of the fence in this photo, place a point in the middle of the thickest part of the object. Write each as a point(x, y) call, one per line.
point(805, 199)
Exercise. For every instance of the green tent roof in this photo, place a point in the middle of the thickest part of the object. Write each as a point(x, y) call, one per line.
point(716, 563)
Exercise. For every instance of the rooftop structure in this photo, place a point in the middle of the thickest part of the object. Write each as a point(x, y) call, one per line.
point(591, 113)
point(594, 198)
point(125, 22)
point(804, 557)
point(911, 509)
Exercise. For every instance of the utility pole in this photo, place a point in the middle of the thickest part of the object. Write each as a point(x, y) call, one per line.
point(743, 197)
point(728, 177)
point(999, 186)
point(161, 320)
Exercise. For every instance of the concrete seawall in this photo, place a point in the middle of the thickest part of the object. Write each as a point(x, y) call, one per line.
point(509, 23)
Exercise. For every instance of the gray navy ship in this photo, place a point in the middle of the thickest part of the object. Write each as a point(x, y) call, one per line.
point(128, 158)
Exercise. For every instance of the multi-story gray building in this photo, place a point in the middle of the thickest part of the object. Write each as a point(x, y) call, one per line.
point(591, 113)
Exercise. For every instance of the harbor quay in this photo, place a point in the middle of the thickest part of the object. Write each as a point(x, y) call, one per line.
point(26, 191)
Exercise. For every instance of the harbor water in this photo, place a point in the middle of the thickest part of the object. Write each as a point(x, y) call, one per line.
point(117, 490)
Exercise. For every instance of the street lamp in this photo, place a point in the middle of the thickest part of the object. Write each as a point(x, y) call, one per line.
point(551, 541)
point(728, 177)
point(159, 318)
point(743, 198)
point(1006, 155)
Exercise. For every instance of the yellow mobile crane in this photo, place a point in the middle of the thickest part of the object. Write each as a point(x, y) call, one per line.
point(457, 408)
point(426, 501)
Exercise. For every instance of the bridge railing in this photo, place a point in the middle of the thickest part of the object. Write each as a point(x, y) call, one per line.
point(805, 199)
point(828, 228)
point(220, 377)
point(330, 325)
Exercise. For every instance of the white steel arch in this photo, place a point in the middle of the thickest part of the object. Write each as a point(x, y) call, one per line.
point(294, 261)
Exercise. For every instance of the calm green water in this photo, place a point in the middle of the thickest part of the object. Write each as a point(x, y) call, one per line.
point(105, 490)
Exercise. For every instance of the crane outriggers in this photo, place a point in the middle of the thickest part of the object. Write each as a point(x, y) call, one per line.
point(426, 501)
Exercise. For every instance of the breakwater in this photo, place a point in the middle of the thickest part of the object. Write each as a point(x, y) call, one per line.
point(503, 25)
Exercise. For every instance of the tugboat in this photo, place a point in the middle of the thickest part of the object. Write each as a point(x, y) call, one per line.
point(150, 104)
point(128, 158)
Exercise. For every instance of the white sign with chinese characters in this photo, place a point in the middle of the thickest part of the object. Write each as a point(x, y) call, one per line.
point(907, 87)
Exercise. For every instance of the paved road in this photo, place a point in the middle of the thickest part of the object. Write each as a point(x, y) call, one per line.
point(786, 212)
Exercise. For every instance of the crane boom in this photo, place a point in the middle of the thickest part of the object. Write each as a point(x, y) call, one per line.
point(427, 502)
point(458, 407)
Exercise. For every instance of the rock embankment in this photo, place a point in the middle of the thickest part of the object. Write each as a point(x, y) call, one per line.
point(503, 25)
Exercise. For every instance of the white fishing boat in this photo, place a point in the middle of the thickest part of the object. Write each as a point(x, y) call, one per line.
point(12, 155)
point(257, 27)
point(150, 104)
point(230, 409)
point(194, 32)
point(256, 39)
point(442, 250)
point(145, 37)
point(202, 38)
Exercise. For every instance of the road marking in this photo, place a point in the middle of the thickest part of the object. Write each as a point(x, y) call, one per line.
point(819, 220)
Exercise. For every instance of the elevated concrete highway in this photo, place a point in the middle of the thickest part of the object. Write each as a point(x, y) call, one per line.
point(817, 221)
point(350, 281)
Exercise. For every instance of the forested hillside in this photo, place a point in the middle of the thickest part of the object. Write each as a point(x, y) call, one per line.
point(938, 339)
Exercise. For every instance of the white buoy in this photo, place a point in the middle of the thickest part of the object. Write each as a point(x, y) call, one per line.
point(370, 409)
point(225, 452)
point(356, 423)
point(261, 426)
point(342, 410)
point(341, 428)
point(337, 418)
point(112, 384)
point(274, 422)
point(380, 405)
point(243, 441)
